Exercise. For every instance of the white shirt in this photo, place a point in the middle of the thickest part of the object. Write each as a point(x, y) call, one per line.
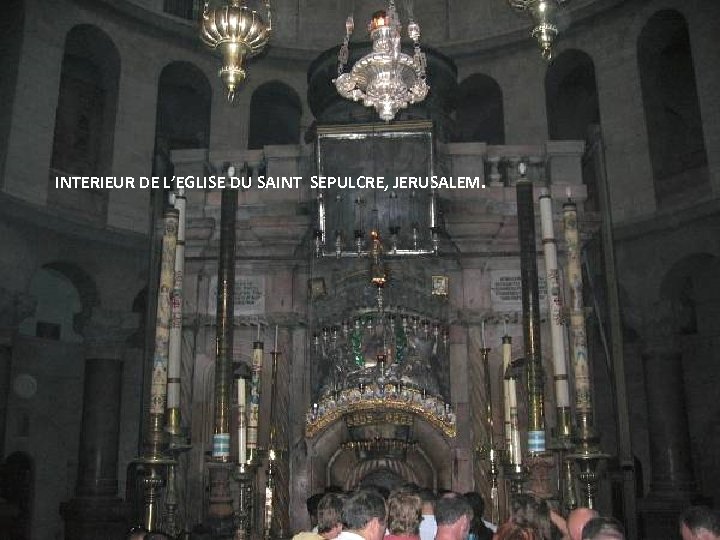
point(428, 527)
point(347, 535)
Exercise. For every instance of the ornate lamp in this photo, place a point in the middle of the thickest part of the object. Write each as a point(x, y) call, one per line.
point(239, 32)
point(545, 25)
point(386, 78)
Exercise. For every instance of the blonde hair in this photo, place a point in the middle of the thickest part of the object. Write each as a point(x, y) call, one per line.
point(404, 513)
point(513, 531)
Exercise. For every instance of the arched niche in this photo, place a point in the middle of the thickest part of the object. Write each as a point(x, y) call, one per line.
point(572, 106)
point(427, 461)
point(183, 112)
point(275, 112)
point(479, 112)
point(571, 96)
point(672, 111)
point(85, 119)
point(65, 297)
point(11, 41)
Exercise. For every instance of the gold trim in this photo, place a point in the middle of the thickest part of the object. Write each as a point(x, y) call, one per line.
point(357, 412)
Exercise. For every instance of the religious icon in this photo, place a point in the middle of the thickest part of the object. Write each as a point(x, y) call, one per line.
point(440, 285)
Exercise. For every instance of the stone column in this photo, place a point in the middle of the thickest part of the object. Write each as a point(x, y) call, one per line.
point(672, 486)
point(5, 385)
point(97, 470)
point(96, 511)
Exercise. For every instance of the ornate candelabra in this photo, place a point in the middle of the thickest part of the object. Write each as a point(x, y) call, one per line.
point(386, 78)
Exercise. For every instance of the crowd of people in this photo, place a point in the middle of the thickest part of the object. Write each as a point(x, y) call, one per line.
point(411, 513)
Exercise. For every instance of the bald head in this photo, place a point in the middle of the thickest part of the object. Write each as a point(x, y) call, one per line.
point(577, 519)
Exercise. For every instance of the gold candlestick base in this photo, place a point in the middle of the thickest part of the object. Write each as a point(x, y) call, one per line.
point(587, 472)
point(244, 475)
point(518, 475)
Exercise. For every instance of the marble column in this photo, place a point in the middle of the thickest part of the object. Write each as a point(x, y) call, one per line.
point(672, 485)
point(96, 511)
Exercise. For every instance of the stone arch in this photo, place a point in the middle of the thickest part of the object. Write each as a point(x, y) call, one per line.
point(275, 113)
point(11, 41)
point(183, 112)
point(479, 112)
point(364, 470)
point(335, 461)
point(85, 119)
point(672, 110)
point(66, 296)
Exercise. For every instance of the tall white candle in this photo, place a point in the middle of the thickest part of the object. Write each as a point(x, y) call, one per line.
point(562, 390)
point(578, 336)
point(242, 423)
point(506, 355)
point(516, 448)
point(512, 433)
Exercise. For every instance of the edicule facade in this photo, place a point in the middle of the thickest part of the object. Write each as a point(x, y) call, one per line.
point(204, 359)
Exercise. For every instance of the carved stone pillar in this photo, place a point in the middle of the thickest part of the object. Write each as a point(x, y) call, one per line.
point(672, 486)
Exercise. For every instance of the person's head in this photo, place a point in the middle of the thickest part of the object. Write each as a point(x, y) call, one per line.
point(700, 523)
point(404, 513)
point(603, 528)
point(312, 503)
point(428, 502)
point(532, 513)
point(453, 516)
point(513, 531)
point(364, 512)
point(477, 504)
point(329, 515)
point(577, 519)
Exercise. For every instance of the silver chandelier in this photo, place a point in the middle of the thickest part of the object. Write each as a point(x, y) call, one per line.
point(386, 78)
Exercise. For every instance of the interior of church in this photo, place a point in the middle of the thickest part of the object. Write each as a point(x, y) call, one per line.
point(468, 245)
